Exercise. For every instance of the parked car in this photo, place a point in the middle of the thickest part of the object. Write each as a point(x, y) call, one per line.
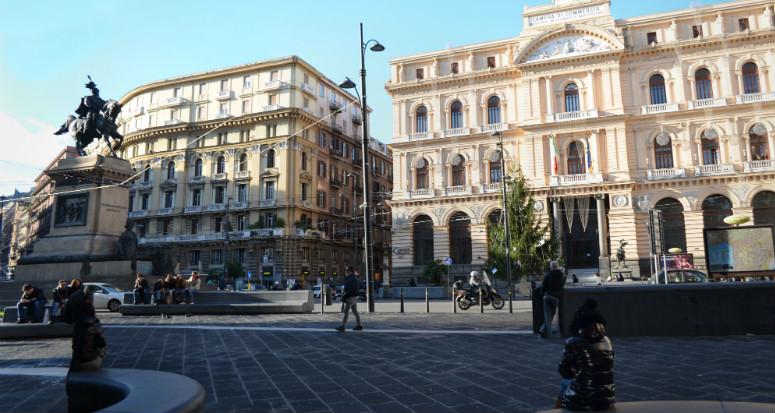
point(105, 295)
point(316, 291)
point(680, 277)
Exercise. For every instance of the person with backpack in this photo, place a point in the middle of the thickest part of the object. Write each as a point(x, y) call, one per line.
point(350, 300)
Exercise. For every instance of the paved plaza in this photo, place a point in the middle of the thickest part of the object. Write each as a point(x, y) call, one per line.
point(401, 362)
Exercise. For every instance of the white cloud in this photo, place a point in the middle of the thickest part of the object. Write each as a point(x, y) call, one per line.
point(26, 148)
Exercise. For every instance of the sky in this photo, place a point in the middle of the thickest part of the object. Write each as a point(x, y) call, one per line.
point(48, 47)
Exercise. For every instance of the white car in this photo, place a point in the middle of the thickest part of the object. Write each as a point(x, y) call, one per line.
point(105, 296)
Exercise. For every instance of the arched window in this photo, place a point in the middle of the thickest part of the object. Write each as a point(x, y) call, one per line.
point(422, 237)
point(710, 148)
point(576, 163)
point(198, 167)
point(458, 170)
point(758, 142)
point(243, 162)
point(496, 173)
point(493, 110)
point(663, 151)
point(220, 165)
point(657, 89)
point(714, 209)
point(572, 98)
point(702, 84)
point(456, 115)
point(460, 238)
point(763, 205)
point(270, 158)
point(421, 120)
point(673, 224)
point(147, 173)
point(750, 78)
point(422, 174)
point(304, 161)
point(171, 170)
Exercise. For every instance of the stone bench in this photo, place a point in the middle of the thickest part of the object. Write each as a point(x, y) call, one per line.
point(289, 307)
point(683, 406)
point(11, 314)
point(15, 331)
point(127, 390)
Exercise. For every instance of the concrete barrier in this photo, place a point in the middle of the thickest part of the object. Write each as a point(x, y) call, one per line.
point(707, 309)
point(683, 406)
point(232, 302)
point(127, 390)
point(15, 331)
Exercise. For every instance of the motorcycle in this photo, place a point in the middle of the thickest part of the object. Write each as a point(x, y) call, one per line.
point(467, 297)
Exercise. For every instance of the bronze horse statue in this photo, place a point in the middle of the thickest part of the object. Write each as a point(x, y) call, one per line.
point(96, 118)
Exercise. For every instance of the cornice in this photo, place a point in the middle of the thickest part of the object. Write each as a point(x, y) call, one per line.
point(509, 73)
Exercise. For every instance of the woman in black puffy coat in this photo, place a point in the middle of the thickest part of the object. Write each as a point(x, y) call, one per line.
point(588, 366)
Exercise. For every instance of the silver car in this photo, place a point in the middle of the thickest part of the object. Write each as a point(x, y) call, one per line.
point(105, 296)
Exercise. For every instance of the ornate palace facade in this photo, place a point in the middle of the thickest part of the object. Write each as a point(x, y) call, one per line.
point(608, 119)
point(258, 164)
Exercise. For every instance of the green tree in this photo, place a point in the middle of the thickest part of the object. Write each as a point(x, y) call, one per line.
point(532, 243)
point(433, 271)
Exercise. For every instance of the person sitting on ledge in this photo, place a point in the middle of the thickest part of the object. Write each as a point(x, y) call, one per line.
point(33, 301)
point(158, 291)
point(180, 289)
point(587, 366)
point(141, 289)
point(59, 298)
point(193, 284)
point(169, 289)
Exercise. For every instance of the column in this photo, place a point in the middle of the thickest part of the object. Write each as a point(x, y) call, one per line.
point(740, 88)
point(770, 142)
point(591, 86)
point(594, 149)
point(692, 88)
point(549, 96)
point(602, 225)
point(723, 141)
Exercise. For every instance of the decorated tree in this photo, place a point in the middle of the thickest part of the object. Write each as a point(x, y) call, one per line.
point(532, 243)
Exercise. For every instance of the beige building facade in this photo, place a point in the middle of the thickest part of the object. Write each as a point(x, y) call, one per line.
point(258, 164)
point(608, 120)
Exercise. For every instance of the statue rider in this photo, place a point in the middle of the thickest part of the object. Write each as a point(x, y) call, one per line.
point(90, 108)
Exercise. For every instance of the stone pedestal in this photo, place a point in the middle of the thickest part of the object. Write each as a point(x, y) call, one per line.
point(89, 213)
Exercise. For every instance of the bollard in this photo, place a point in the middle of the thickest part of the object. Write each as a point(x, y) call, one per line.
point(402, 300)
point(511, 306)
point(427, 302)
point(322, 300)
point(481, 301)
point(454, 298)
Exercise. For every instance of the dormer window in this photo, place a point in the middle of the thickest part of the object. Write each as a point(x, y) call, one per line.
point(420, 73)
point(455, 69)
point(491, 62)
point(696, 31)
point(743, 24)
point(651, 38)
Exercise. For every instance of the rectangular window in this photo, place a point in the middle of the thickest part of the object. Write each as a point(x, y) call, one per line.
point(196, 197)
point(174, 115)
point(651, 38)
point(420, 73)
point(242, 222)
point(176, 93)
point(274, 75)
point(222, 138)
point(220, 192)
point(131, 203)
point(267, 253)
point(305, 103)
point(322, 139)
point(242, 193)
point(153, 98)
point(224, 85)
point(306, 78)
point(246, 82)
point(322, 169)
point(244, 136)
point(172, 144)
point(304, 191)
point(269, 190)
point(202, 89)
point(144, 202)
point(696, 31)
point(273, 99)
point(193, 257)
point(169, 199)
point(216, 257)
point(306, 253)
point(166, 227)
point(321, 199)
point(268, 220)
point(151, 120)
point(201, 112)
point(241, 255)
point(223, 108)
point(194, 226)
point(218, 224)
point(321, 90)
point(245, 106)
point(491, 62)
point(743, 24)
point(455, 69)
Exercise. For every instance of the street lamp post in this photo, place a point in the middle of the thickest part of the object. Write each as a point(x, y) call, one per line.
point(349, 84)
point(506, 227)
point(354, 213)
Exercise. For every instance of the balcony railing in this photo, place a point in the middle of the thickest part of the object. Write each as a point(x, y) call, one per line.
point(143, 184)
point(224, 94)
point(269, 108)
point(759, 166)
point(305, 87)
point(421, 193)
point(665, 173)
point(242, 174)
point(492, 187)
point(239, 205)
point(222, 176)
point(192, 209)
point(457, 190)
point(223, 115)
point(576, 179)
point(267, 202)
point(659, 108)
point(170, 122)
point(707, 103)
point(718, 169)
point(419, 136)
point(138, 214)
point(493, 127)
point(455, 132)
point(176, 101)
point(357, 119)
point(755, 97)
point(275, 84)
point(577, 115)
point(165, 211)
point(335, 182)
point(196, 179)
point(140, 110)
point(216, 207)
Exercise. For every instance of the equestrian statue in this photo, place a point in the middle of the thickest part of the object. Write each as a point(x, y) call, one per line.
point(96, 118)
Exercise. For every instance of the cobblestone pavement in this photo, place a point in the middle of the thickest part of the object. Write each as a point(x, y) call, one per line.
point(311, 371)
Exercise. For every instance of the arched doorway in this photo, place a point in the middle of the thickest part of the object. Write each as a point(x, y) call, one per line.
point(673, 224)
point(460, 238)
point(764, 208)
point(714, 209)
point(422, 235)
point(580, 241)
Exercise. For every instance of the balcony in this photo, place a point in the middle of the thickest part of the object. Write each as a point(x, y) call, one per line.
point(338, 152)
point(239, 205)
point(707, 103)
point(175, 101)
point(242, 175)
point(165, 211)
point(306, 88)
point(144, 184)
point(755, 97)
point(334, 106)
point(196, 179)
point(665, 173)
point(224, 95)
point(335, 183)
point(658, 108)
point(457, 190)
point(493, 127)
point(138, 214)
point(759, 166)
point(216, 207)
point(421, 193)
point(222, 176)
point(267, 203)
point(357, 119)
point(710, 170)
point(492, 187)
point(269, 108)
point(419, 136)
point(275, 84)
point(455, 132)
point(223, 115)
point(171, 122)
point(192, 209)
point(577, 115)
point(239, 234)
point(140, 110)
point(576, 179)
point(271, 232)
point(313, 233)
point(336, 127)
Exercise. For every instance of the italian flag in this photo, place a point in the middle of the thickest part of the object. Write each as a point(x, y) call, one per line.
point(555, 162)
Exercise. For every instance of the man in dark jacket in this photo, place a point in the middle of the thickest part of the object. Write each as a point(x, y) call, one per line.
point(587, 367)
point(141, 289)
point(89, 347)
point(554, 282)
point(350, 299)
point(58, 300)
point(33, 301)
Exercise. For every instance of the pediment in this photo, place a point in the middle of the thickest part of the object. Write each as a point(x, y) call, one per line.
point(270, 172)
point(567, 42)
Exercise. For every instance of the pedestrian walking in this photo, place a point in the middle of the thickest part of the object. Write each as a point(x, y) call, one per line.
point(350, 300)
point(552, 286)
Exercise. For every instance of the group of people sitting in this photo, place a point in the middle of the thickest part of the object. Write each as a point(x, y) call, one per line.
point(31, 307)
point(172, 289)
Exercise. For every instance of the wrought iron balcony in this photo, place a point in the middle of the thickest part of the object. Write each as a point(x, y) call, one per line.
point(224, 95)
